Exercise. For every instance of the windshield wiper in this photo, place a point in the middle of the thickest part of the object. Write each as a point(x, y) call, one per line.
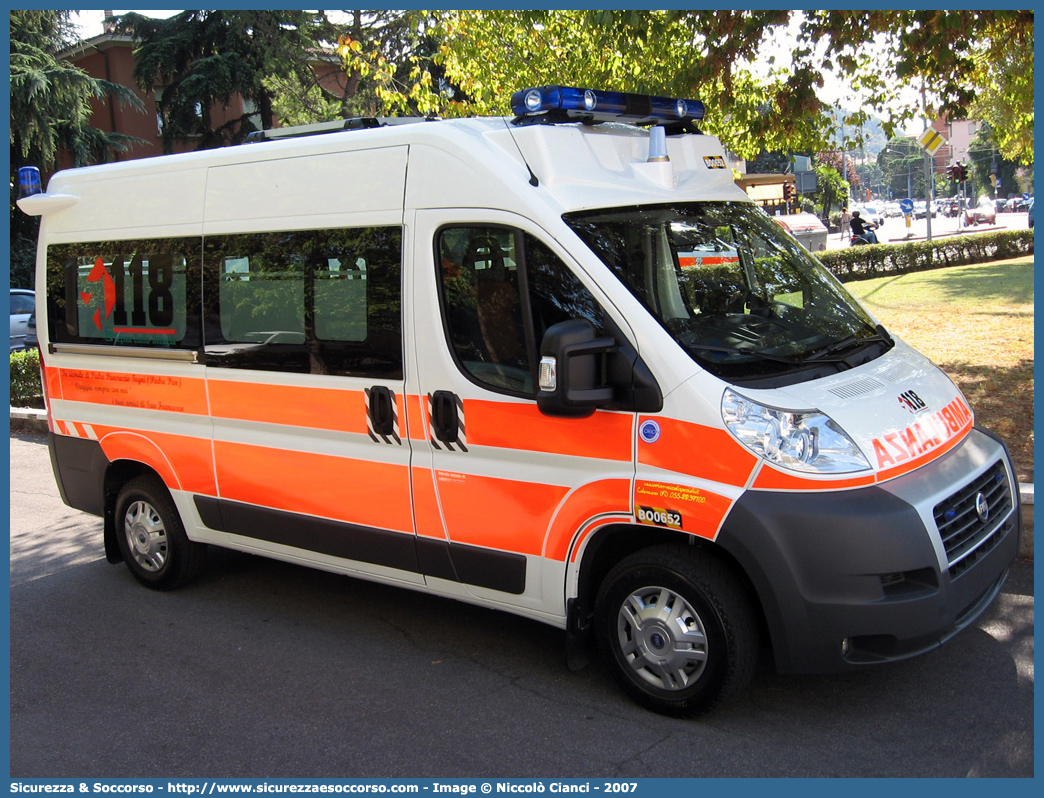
point(735, 350)
point(880, 337)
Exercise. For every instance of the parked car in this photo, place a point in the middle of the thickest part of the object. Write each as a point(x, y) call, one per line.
point(983, 213)
point(30, 332)
point(23, 303)
point(921, 209)
point(871, 213)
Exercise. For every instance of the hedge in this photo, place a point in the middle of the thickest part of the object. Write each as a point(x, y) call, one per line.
point(878, 260)
point(25, 379)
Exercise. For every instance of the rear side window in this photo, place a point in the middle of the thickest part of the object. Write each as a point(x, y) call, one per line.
point(306, 301)
point(141, 293)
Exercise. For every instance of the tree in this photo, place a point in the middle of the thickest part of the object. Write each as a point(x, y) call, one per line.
point(50, 98)
point(834, 159)
point(768, 163)
point(387, 66)
point(832, 192)
point(1004, 74)
point(50, 112)
point(388, 57)
point(985, 158)
point(754, 103)
point(202, 59)
point(902, 166)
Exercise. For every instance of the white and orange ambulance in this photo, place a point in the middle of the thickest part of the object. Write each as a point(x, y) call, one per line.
point(557, 365)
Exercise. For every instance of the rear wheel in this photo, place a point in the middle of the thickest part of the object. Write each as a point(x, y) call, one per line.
point(678, 629)
point(152, 538)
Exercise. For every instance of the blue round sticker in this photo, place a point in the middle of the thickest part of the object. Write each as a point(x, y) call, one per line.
point(650, 431)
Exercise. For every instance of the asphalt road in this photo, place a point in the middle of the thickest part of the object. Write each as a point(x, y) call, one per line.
point(263, 669)
point(895, 230)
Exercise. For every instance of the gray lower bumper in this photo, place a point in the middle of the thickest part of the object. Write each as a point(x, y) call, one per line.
point(864, 576)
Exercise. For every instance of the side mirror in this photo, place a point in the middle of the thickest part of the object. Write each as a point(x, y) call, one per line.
point(572, 370)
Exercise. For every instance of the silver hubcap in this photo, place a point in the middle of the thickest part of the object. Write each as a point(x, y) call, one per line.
point(662, 638)
point(146, 535)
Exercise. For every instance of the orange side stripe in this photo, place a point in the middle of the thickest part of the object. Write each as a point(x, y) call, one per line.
point(701, 511)
point(426, 505)
point(497, 513)
point(146, 391)
point(355, 491)
point(415, 411)
point(53, 378)
point(698, 450)
point(318, 408)
point(521, 425)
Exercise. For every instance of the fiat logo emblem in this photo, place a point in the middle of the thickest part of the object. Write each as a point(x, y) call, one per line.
point(982, 507)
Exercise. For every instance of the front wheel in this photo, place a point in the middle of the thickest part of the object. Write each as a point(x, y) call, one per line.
point(678, 629)
point(152, 538)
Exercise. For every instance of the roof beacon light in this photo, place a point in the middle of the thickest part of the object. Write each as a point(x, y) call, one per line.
point(560, 103)
point(29, 181)
point(657, 168)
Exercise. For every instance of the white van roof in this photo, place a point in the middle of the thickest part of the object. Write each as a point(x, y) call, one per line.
point(475, 162)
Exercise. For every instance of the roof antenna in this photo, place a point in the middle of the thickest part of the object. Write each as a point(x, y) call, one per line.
point(533, 181)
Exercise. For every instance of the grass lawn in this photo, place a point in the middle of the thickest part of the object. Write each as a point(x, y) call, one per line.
point(976, 322)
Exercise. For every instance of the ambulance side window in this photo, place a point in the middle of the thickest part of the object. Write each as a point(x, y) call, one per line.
point(139, 293)
point(555, 292)
point(501, 290)
point(306, 301)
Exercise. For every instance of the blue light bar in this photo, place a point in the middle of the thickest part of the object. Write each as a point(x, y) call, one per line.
point(604, 106)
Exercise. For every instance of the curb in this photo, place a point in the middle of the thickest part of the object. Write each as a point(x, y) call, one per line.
point(27, 418)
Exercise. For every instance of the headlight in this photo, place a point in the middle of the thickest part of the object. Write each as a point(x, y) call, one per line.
point(802, 440)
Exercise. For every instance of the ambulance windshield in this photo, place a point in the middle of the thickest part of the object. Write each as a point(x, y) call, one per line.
point(744, 299)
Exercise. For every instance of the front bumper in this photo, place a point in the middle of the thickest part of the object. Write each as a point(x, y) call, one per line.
point(856, 577)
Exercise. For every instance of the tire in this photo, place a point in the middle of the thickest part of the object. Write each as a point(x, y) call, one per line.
point(678, 629)
point(152, 538)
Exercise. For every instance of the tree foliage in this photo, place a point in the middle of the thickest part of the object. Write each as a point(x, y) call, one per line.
point(902, 166)
point(985, 157)
point(832, 191)
point(1004, 74)
point(203, 59)
point(50, 97)
point(388, 58)
point(50, 112)
point(758, 96)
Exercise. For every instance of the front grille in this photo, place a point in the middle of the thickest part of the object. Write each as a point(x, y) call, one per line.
point(965, 535)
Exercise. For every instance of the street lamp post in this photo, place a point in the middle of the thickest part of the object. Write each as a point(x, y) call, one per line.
point(929, 184)
point(909, 173)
